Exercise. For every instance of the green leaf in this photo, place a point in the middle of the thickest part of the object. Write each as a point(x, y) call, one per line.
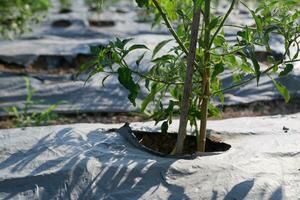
point(245, 67)
point(142, 3)
point(236, 78)
point(120, 43)
point(164, 58)
point(256, 68)
point(288, 68)
point(258, 21)
point(213, 111)
point(159, 46)
point(137, 46)
point(249, 51)
point(155, 88)
point(164, 127)
point(282, 90)
point(231, 60)
point(140, 58)
point(213, 23)
point(125, 78)
point(218, 69)
point(219, 41)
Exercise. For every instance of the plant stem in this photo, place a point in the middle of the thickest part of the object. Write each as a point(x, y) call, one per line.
point(205, 80)
point(171, 29)
point(185, 104)
point(169, 26)
point(228, 53)
point(222, 22)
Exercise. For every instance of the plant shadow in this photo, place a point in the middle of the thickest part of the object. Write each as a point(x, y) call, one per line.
point(242, 189)
point(68, 164)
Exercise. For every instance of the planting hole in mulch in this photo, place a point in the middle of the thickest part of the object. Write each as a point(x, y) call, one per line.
point(47, 64)
point(65, 11)
point(165, 143)
point(102, 23)
point(61, 23)
point(122, 11)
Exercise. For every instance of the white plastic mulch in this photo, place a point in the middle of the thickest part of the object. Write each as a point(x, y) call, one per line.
point(83, 161)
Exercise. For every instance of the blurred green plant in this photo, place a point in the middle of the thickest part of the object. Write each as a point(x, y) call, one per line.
point(23, 117)
point(16, 15)
point(190, 72)
point(99, 5)
point(65, 4)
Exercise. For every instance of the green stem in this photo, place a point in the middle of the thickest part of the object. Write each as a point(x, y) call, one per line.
point(171, 29)
point(228, 53)
point(169, 26)
point(222, 22)
point(238, 26)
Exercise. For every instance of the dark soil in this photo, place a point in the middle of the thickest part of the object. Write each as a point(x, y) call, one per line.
point(261, 108)
point(102, 23)
point(165, 143)
point(61, 23)
point(54, 65)
point(65, 11)
point(104, 118)
point(121, 11)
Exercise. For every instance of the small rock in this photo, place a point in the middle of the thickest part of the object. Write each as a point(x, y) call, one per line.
point(285, 129)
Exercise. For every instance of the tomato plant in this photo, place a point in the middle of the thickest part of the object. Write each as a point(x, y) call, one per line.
point(189, 73)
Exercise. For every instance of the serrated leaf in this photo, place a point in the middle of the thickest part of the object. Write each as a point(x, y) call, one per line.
point(159, 46)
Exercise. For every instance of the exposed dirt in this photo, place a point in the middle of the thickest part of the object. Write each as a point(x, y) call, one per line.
point(262, 108)
point(54, 65)
point(65, 10)
point(61, 23)
point(165, 143)
point(105, 118)
point(102, 23)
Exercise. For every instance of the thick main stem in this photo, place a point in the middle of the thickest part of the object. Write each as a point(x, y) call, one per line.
point(205, 80)
point(185, 104)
